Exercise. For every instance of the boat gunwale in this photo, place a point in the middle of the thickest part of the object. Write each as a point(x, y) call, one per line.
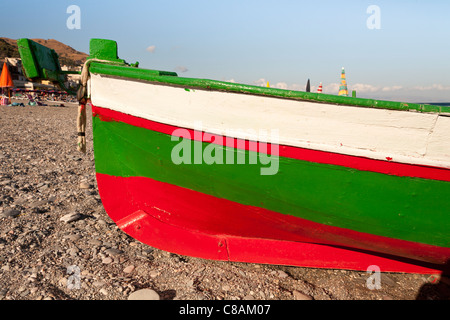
point(152, 76)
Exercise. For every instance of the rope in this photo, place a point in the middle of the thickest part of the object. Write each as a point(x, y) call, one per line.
point(81, 128)
point(85, 77)
point(82, 98)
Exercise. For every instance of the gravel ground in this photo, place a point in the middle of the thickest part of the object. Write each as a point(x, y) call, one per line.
point(58, 243)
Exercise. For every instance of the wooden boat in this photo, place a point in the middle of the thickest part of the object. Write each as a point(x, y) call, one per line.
point(234, 172)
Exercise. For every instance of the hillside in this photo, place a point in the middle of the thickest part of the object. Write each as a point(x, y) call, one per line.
point(8, 49)
point(67, 55)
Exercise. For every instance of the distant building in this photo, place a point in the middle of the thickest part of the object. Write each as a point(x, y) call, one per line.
point(73, 80)
point(15, 68)
point(20, 80)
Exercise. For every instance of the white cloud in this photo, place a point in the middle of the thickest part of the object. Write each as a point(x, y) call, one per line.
point(368, 88)
point(260, 82)
point(151, 49)
point(332, 88)
point(438, 87)
point(361, 87)
point(300, 87)
point(279, 85)
point(392, 88)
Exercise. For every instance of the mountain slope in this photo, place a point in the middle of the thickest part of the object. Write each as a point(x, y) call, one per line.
point(67, 55)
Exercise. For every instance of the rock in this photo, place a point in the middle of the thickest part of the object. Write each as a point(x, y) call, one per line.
point(10, 213)
point(70, 217)
point(98, 284)
point(3, 293)
point(107, 260)
point(24, 293)
point(73, 251)
point(144, 294)
point(62, 282)
point(38, 203)
point(73, 237)
point(5, 182)
point(102, 222)
point(95, 242)
point(129, 269)
point(113, 252)
point(84, 185)
point(385, 279)
point(300, 296)
point(20, 201)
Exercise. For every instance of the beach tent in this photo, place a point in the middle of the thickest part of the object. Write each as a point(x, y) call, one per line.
point(5, 82)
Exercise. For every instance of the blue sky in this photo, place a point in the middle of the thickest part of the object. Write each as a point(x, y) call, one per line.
point(284, 42)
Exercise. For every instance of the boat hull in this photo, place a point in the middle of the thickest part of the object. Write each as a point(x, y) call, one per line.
point(156, 218)
point(193, 209)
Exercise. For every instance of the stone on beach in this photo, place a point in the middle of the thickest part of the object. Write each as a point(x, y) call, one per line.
point(129, 269)
point(84, 185)
point(144, 294)
point(113, 252)
point(70, 217)
point(300, 296)
point(107, 260)
point(10, 213)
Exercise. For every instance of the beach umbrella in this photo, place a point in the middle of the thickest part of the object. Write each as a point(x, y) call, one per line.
point(319, 90)
point(308, 86)
point(5, 81)
point(5, 78)
point(343, 91)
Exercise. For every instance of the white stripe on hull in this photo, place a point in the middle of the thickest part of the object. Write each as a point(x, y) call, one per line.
point(408, 137)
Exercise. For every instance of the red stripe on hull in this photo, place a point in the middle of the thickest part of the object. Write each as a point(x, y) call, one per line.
point(191, 223)
point(354, 162)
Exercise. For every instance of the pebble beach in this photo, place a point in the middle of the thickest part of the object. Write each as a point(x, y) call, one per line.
point(58, 243)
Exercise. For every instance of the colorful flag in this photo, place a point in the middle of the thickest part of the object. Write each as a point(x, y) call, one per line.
point(343, 91)
point(319, 90)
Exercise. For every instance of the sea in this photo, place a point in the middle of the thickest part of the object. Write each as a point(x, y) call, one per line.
point(437, 103)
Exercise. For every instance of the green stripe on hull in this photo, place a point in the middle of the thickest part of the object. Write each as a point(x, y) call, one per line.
point(404, 208)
